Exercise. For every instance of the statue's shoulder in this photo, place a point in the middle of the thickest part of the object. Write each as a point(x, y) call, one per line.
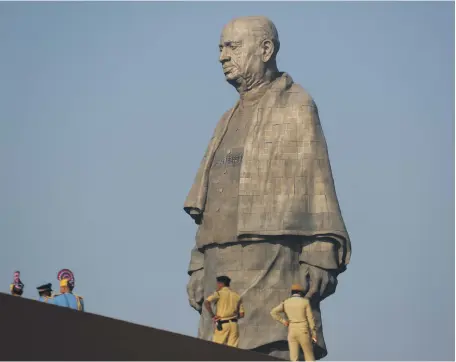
point(299, 95)
point(291, 94)
point(224, 118)
point(221, 123)
point(226, 115)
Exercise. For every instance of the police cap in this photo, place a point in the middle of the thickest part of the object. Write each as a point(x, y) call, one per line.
point(224, 279)
point(45, 288)
point(297, 288)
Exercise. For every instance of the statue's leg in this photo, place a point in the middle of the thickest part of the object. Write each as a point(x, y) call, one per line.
point(319, 348)
point(262, 274)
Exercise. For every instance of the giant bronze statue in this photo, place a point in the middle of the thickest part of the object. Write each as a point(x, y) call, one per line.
point(264, 197)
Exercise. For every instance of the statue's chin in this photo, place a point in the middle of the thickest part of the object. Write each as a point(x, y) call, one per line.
point(234, 81)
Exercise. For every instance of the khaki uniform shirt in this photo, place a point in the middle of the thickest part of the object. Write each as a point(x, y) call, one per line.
point(229, 304)
point(298, 311)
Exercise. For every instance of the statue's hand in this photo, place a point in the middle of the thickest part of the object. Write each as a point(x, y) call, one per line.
point(195, 290)
point(319, 283)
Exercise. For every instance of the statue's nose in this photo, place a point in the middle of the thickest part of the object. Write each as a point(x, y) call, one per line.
point(223, 56)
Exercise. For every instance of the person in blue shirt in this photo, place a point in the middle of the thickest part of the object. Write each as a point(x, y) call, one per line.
point(66, 298)
point(45, 293)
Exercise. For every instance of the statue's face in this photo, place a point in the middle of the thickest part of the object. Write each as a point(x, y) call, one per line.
point(240, 52)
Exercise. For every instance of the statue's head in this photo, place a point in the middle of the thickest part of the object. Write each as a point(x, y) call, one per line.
point(248, 50)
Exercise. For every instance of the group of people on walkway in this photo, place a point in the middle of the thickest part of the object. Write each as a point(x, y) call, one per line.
point(229, 309)
point(297, 310)
point(66, 297)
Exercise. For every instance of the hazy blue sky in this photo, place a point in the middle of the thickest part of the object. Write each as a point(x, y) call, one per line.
point(107, 109)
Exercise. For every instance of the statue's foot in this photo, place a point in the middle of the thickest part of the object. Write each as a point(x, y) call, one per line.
point(277, 350)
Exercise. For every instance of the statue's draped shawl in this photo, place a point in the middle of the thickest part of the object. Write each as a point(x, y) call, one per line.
point(286, 184)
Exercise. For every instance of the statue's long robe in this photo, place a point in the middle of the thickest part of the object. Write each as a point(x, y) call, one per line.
point(286, 189)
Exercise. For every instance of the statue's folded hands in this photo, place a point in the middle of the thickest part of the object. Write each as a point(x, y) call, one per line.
point(320, 264)
point(319, 283)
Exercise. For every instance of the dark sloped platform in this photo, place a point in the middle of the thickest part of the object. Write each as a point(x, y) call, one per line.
point(31, 330)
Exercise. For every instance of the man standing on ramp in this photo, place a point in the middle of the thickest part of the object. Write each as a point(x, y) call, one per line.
point(229, 309)
point(301, 324)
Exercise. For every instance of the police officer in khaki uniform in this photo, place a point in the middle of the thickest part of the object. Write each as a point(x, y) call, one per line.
point(301, 324)
point(229, 309)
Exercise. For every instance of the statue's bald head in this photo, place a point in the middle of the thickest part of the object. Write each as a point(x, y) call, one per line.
point(248, 48)
point(260, 27)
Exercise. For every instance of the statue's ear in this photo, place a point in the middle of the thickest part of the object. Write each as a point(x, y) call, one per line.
point(268, 49)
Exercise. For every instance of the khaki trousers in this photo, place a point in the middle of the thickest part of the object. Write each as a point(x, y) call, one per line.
point(300, 337)
point(229, 334)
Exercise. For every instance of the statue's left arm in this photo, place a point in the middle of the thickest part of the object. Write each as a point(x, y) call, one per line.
point(319, 267)
point(323, 256)
point(326, 252)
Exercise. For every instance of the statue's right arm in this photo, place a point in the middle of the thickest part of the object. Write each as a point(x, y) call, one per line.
point(311, 320)
point(193, 205)
point(195, 286)
point(196, 261)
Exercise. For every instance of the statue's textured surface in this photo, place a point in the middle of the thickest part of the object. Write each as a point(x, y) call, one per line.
point(264, 195)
